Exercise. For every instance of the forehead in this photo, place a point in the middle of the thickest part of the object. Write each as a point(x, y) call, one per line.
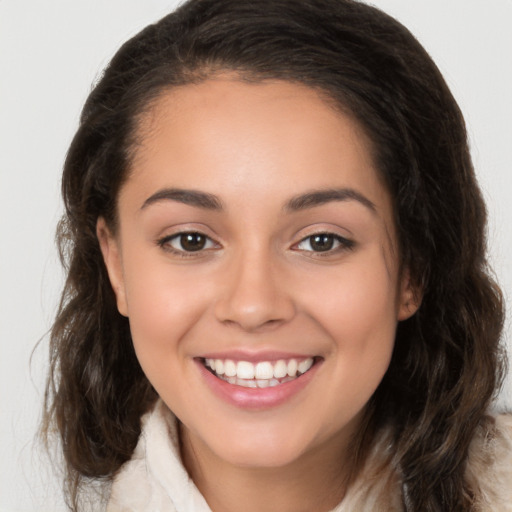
point(232, 136)
point(218, 106)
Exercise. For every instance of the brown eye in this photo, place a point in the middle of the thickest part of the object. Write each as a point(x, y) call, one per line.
point(187, 242)
point(322, 242)
point(192, 241)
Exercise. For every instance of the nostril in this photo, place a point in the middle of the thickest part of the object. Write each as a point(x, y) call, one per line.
point(262, 316)
point(254, 324)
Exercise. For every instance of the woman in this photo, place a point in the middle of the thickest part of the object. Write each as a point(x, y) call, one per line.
point(274, 231)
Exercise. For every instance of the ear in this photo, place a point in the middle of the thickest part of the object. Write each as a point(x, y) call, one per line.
point(409, 298)
point(112, 257)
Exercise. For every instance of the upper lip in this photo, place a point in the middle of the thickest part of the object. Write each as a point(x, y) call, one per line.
point(254, 356)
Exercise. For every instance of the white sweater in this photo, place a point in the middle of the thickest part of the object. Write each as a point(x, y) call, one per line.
point(154, 480)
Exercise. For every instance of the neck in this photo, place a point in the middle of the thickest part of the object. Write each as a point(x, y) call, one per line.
point(315, 481)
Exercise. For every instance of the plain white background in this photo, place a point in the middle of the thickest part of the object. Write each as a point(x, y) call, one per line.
point(50, 54)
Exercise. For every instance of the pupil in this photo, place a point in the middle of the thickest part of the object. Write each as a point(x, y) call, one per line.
point(322, 242)
point(192, 241)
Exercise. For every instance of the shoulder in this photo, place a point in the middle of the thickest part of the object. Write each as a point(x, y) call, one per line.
point(488, 472)
point(132, 489)
point(377, 486)
point(154, 479)
point(489, 469)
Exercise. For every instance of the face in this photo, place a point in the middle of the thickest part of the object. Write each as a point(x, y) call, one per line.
point(256, 261)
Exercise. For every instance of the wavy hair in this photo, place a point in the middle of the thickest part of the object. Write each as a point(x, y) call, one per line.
point(447, 362)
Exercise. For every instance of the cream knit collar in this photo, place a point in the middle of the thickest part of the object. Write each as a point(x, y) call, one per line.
point(154, 480)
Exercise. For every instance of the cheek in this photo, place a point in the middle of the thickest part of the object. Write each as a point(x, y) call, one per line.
point(357, 298)
point(356, 306)
point(164, 304)
point(362, 308)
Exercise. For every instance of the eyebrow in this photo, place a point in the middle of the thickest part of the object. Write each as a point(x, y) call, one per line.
point(320, 197)
point(301, 202)
point(185, 196)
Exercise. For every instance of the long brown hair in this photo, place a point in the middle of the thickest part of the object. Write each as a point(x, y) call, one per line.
point(447, 362)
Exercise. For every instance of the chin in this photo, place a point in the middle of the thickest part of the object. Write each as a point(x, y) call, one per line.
point(255, 457)
point(263, 447)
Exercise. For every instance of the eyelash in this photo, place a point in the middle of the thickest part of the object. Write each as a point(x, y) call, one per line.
point(344, 244)
point(165, 243)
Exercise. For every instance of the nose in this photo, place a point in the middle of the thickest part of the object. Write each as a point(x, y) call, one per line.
point(254, 294)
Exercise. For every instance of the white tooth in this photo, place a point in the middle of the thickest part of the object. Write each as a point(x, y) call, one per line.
point(229, 368)
point(264, 370)
point(292, 367)
point(273, 382)
point(280, 369)
point(209, 363)
point(245, 370)
point(219, 367)
point(305, 365)
point(262, 383)
point(246, 383)
point(231, 380)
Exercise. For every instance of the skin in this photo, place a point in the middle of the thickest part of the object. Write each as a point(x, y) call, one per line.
point(258, 286)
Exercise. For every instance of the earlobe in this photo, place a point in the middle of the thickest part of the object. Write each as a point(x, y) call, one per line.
point(410, 298)
point(112, 259)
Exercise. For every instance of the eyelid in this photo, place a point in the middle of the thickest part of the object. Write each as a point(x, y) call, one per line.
point(164, 243)
point(345, 244)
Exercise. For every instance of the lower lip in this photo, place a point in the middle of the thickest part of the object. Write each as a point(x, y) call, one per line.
point(256, 398)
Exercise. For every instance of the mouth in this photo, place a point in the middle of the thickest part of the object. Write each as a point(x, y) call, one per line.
point(263, 374)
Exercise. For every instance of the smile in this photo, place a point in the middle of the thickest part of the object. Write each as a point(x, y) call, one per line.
point(258, 375)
